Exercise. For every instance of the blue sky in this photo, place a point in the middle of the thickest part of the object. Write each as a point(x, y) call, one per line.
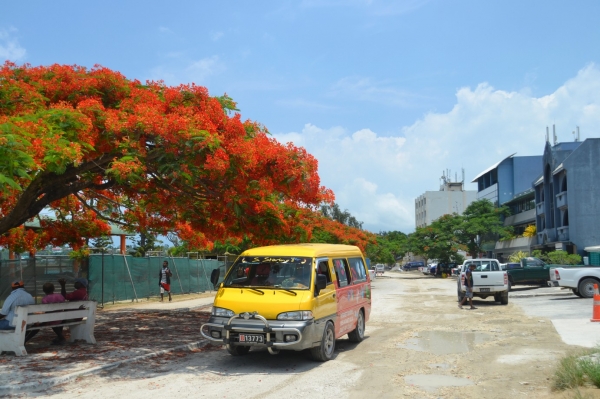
point(386, 94)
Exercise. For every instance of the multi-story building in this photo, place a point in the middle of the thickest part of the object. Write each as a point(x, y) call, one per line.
point(567, 197)
point(451, 198)
point(508, 182)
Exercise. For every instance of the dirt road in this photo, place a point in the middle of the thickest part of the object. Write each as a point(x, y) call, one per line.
point(418, 345)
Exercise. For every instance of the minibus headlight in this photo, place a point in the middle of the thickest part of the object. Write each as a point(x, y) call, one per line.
point(298, 315)
point(222, 312)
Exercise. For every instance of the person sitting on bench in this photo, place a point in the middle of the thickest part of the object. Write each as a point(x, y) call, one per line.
point(50, 297)
point(17, 297)
point(80, 293)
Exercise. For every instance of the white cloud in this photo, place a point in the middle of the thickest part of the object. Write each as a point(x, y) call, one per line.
point(305, 104)
point(10, 49)
point(201, 69)
point(378, 177)
point(365, 89)
point(175, 71)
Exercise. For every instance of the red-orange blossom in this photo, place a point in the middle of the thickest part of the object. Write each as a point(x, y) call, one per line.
point(93, 146)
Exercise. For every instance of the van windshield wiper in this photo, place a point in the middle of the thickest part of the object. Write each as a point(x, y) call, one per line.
point(255, 289)
point(278, 287)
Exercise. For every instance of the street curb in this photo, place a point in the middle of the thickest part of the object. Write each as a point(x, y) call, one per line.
point(152, 310)
point(540, 294)
point(44, 384)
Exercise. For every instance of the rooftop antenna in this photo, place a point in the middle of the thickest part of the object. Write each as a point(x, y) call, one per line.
point(547, 134)
point(578, 133)
point(554, 133)
point(463, 175)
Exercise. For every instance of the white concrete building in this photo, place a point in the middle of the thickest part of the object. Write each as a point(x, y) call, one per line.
point(451, 198)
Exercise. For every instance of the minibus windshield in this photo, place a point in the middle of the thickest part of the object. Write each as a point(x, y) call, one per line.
point(271, 271)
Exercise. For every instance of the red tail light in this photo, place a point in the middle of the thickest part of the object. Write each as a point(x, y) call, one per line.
point(505, 278)
point(556, 274)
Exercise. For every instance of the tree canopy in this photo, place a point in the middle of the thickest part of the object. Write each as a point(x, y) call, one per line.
point(439, 240)
point(481, 222)
point(94, 147)
point(390, 246)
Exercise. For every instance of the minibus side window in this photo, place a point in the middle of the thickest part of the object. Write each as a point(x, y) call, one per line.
point(323, 268)
point(357, 269)
point(341, 272)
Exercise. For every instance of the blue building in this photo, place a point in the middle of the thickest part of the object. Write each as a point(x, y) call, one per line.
point(567, 197)
point(509, 183)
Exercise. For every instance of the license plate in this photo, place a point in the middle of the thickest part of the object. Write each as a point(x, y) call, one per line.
point(484, 290)
point(251, 338)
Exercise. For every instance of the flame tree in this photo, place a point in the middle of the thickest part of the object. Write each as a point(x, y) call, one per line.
point(94, 147)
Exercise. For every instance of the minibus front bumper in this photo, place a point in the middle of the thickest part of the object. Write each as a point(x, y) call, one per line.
point(252, 329)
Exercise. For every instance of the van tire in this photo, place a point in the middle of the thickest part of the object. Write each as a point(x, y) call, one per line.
point(324, 351)
point(358, 334)
point(238, 350)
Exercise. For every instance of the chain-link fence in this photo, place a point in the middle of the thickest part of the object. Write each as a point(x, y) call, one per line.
point(34, 272)
point(112, 277)
point(120, 278)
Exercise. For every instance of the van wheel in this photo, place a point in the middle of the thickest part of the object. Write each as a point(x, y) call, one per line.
point(324, 351)
point(510, 284)
point(238, 350)
point(358, 334)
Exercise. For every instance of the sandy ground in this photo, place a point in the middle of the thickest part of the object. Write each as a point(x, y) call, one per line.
point(418, 345)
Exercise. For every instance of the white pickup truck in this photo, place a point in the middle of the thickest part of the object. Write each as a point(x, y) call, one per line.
point(579, 279)
point(488, 280)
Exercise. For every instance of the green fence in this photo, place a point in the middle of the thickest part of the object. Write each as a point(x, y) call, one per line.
point(112, 277)
point(38, 270)
point(120, 278)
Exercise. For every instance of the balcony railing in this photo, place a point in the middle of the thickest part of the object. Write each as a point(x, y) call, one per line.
point(561, 200)
point(550, 235)
point(563, 233)
point(539, 208)
point(516, 244)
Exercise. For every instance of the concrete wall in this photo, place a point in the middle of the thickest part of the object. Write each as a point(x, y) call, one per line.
point(440, 203)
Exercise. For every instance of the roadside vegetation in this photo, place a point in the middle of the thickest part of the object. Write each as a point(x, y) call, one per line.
point(578, 369)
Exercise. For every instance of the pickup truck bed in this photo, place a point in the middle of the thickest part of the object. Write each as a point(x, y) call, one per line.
point(580, 280)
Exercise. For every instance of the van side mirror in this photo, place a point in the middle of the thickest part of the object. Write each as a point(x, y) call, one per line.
point(321, 283)
point(214, 277)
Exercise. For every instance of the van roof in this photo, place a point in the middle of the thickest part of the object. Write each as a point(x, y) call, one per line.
point(308, 249)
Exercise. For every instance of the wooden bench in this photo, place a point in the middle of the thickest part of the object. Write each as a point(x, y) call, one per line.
point(79, 316)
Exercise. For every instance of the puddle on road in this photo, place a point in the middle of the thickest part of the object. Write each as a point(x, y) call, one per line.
point(431, 382)
point(444, 342)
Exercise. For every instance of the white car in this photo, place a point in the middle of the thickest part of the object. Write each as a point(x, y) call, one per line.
point(379, 268)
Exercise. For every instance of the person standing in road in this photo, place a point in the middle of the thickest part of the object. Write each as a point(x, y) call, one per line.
point(468, 287)
point(17, 297)
point(164, 280)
